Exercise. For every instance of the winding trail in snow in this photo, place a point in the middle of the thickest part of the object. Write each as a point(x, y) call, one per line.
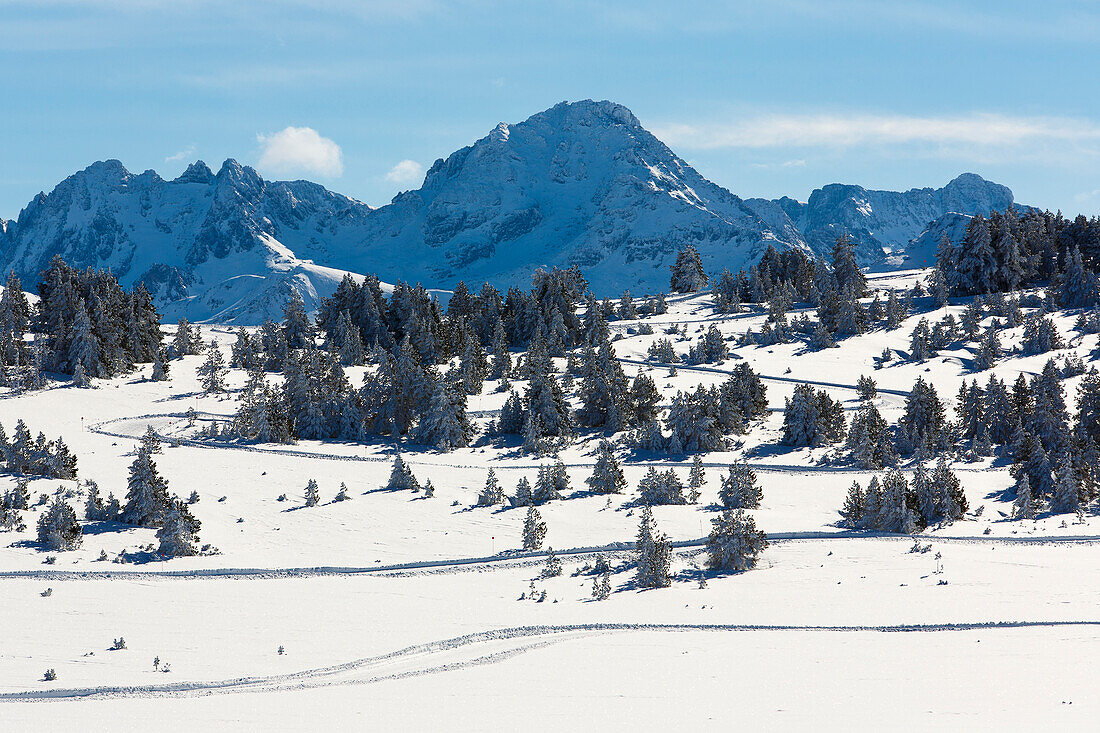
point(480, 648)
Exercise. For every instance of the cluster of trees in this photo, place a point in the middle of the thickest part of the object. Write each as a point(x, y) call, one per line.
point(895, 504)
point(92, 327)
point(27, 456)
point(1009, 250)
point(811, 417)
point(149, 504)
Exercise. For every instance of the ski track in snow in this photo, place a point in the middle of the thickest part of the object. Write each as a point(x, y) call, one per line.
point(466, 651)
point(506, 560)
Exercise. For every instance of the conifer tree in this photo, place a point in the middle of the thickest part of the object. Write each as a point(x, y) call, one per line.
point(1024, 507)
point(734, 543)
point(213, 370)
point(607, 475)
point(312, 493)
point(297, 329)
point(534, 529)
point(697, 478)
point(687, 271)
point(653, 554)
point(179, 535)
point(739, 490)
point(58, 528)
point(1066, 490)
point(492, 493)
point(147, 493)
point(524, 495)
point(854, 505)
point(401, 476)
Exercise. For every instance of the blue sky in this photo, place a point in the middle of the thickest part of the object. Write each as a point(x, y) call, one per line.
point(766, 99)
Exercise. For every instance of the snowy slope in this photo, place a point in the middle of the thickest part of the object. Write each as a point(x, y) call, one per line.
point(392, 598)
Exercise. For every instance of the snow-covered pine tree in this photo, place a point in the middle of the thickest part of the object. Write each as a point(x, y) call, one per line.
point(58, 528)
point(534, 529)
point(312, 493)
point(401, 476)
point(524, 495)
point(297, 328)
point(1066, 497)
point(84, 353)
point(1025, 505)
point(445, 424)
point(179, 534)
point(893, 513)
point(213, 370)
point(697, 478)
point(687, 272)
point(734, 543)
point(607, 474)
point(491, 494)
point(950, 497)
point(854, 504)
point(1079, 286)
point(653, 554)
point(147, 493)
point(160, 366)
point(896, 311)
point(739, 489)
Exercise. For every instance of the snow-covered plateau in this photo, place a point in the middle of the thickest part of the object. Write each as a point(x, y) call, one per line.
point(393, 610)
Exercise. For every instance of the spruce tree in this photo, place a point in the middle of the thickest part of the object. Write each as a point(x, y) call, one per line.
point(147, 493)
point(687, 271)
point(312, 493)
point(58, 528)
point(653, 554)
point(534, 529)
point(739, 489)
point(607, 475)
point(734, 543)
point(179, 535)
point(1025, 505)
point(697, 478)
point(213, 370)
point(492, 493)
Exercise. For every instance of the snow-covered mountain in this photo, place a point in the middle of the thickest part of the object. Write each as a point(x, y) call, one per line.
point(882, 223)
point(579, 184)
point(226, 246)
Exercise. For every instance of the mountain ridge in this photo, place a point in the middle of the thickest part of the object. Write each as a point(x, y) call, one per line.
point(581, 183)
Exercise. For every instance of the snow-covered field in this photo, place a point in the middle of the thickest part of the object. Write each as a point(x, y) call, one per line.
point(396, 611)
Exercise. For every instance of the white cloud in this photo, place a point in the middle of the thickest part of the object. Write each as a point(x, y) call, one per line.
point(844, 130)
point(406, 173)
point(296, 150)
point(181, 155)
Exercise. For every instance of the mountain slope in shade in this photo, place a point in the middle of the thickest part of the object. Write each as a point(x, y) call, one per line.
point(882, 223)
point(226, 246)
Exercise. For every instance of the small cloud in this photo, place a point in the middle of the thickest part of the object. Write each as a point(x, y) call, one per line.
point(300, 150)
point(406, 173)
point(798, 163)
point(1086, 195)
point(181, 155)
